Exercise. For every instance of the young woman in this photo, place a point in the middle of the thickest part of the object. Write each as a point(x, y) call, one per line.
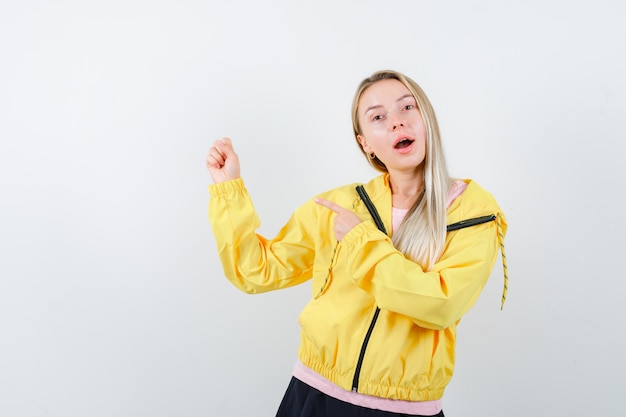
point(394, 265)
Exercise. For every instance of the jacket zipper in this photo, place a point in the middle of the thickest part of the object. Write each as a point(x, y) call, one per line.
point(470, 222)
point(357, 372)
point(379, 223)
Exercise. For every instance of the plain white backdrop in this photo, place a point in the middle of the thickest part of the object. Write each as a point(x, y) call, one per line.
point(112, 298)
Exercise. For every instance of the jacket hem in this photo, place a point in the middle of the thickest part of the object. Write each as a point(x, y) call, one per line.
point(375, 389)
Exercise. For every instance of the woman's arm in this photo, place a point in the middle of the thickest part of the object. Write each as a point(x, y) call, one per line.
point(250, 261)
point(433, 299)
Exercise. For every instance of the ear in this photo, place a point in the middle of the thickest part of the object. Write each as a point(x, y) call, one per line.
point(364, 144)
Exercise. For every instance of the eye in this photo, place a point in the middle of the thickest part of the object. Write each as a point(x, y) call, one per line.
point(409, 107)
point(377, 117)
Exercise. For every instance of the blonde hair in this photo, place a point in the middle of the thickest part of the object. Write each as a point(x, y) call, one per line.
point(422, 234)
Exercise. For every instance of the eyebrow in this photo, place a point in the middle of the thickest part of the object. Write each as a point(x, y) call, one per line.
point(376, 106)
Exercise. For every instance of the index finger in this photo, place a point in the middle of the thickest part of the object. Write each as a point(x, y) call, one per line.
point(329, 205)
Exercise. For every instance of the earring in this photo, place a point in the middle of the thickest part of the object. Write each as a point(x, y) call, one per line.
point(372, 156)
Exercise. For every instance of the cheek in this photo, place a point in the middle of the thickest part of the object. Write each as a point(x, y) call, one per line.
point(423, 147)
point(418, 122)
point(420, 130)
point(376, 140)
point(372, 134)
point(376, 132)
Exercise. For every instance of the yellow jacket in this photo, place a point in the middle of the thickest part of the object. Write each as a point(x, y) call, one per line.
point(377, 323)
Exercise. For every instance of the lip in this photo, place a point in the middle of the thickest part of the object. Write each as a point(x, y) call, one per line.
point(406, 149)
point(400, 138)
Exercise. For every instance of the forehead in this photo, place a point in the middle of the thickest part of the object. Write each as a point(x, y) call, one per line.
point(383, 92)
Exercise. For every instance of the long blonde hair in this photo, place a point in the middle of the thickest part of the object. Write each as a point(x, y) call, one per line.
point(422, 234)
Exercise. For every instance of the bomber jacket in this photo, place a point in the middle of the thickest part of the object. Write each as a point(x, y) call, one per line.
point(377, 324)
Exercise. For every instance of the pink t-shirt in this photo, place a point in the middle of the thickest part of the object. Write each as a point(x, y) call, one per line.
point(314, 380)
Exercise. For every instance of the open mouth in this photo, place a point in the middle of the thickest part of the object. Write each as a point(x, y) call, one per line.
point(404, 143)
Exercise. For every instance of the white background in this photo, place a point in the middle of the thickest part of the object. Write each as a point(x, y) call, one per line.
point(112, 298)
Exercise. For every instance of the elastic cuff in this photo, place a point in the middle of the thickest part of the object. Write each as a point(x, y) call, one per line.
point(223, 189)
point(357, 233)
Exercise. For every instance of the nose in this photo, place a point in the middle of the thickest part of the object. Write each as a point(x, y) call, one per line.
point(396, 122)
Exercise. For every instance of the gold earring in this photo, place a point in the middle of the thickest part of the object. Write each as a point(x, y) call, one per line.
point(372, 156)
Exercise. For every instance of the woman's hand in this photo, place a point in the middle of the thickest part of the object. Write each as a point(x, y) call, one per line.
point(222, 161)
point(345, 220)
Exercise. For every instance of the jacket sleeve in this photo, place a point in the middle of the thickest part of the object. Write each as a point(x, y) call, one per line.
point(434, 299)
point(251, 262)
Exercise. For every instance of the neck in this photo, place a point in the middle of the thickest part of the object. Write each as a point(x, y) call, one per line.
point(406, 188)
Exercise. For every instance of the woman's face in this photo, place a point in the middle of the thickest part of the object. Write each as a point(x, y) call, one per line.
point(391, 126)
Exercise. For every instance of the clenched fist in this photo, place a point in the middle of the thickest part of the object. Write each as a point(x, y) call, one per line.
point(222, 161)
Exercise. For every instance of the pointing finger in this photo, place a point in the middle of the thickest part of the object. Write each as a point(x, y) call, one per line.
point(330, 205)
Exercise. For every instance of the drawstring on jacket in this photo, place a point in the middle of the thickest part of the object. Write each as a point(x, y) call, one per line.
point(503, 253)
